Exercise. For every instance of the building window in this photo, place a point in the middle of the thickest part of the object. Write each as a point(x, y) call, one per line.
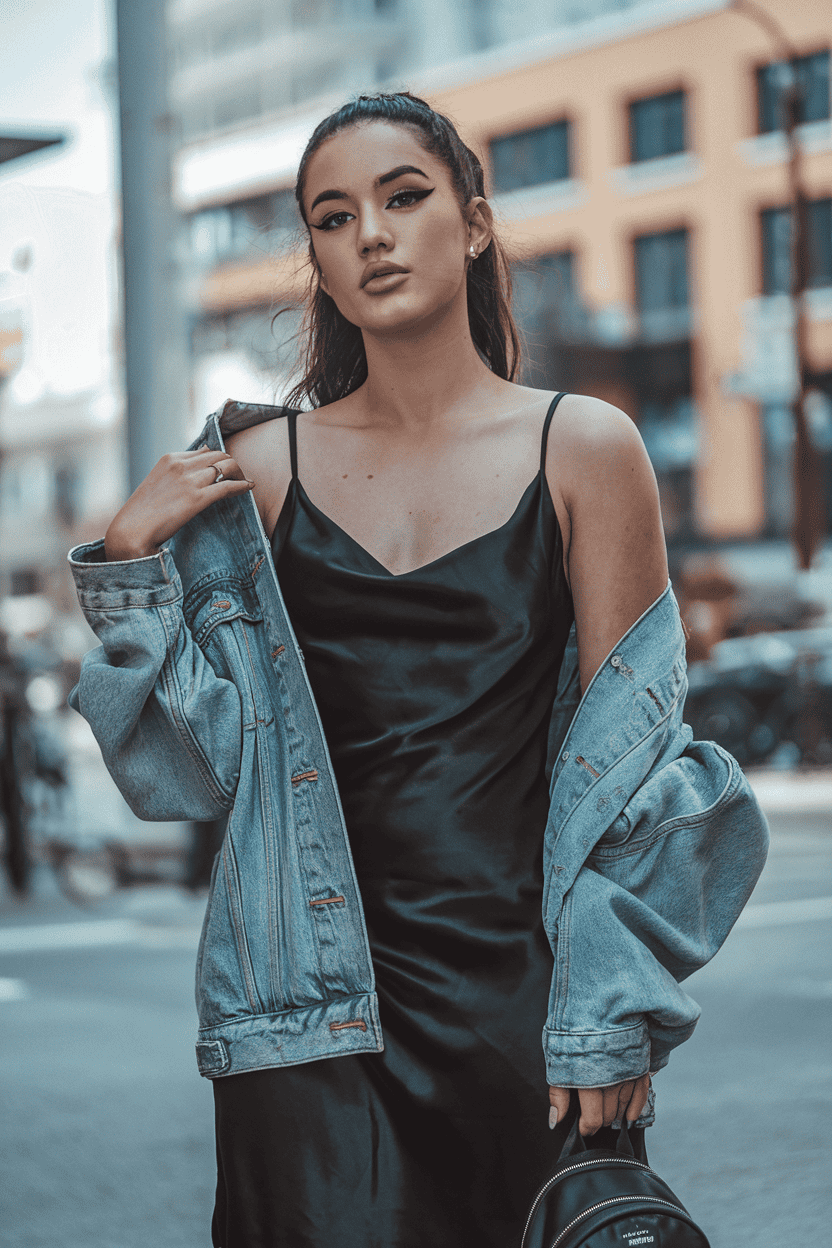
point(66, 494)
point(670, 431)
point(531, 157)
point(819, 228)
point(657, 126)
point(235, 108)
point(776, 231)
point(544, 295)
point(246, 227)
point(24, 581)
point(812, 75)
point(661, 262)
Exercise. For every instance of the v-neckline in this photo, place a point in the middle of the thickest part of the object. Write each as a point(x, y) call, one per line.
point(422, 567)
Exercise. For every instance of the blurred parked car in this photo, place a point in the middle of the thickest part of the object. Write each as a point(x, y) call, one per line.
point(715, 606)
point(766, 698)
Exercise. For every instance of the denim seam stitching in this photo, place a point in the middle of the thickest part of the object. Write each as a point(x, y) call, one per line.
point(646, 736)
point(232, 880)
point(311, 1005)
point(670, 825)
point(170, 677)
point(272, 874)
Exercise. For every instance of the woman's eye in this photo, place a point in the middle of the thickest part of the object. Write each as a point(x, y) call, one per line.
point(406, 199)
point(329, 223)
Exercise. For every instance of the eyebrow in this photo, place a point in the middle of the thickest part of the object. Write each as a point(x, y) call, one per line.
point(382, 180)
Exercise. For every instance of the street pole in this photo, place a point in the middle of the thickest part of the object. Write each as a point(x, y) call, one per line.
point(154, 324)
point(808, 524)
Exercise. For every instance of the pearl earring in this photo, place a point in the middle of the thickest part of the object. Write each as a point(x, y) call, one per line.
point(473, 251)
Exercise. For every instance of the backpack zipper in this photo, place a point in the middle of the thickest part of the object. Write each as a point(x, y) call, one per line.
point(616, 1200)
point(579, 1165)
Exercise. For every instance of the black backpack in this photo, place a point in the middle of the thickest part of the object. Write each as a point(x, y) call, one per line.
point(602, 1195)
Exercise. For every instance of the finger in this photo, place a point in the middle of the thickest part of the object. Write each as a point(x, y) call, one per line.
point(641, 1090)
point(592, 1110)
point(229, 487)
point(623, 1092)
point(609, 1098)
point(229, 468)
point(558, 1105)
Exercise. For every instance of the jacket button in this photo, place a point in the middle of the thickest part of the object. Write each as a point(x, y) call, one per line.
point(616, 660)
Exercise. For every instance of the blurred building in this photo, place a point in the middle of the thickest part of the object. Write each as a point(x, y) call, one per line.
point(61, 457)
point(637, 163)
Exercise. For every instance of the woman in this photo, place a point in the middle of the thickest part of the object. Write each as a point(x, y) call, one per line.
point(435, 528)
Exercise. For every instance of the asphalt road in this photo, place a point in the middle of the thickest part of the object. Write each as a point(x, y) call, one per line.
point(106, 1131)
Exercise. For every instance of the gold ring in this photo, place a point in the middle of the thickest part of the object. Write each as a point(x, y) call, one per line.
point(220, 474)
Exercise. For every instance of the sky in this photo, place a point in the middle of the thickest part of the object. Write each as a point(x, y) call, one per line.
point(55, 66)
point(58, 208)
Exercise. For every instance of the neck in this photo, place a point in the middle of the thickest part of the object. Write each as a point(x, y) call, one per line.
point(426, 376)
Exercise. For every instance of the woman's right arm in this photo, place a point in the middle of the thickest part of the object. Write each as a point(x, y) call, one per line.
point(168, 726)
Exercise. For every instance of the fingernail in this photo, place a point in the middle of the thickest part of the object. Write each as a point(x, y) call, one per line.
point(553, 1117)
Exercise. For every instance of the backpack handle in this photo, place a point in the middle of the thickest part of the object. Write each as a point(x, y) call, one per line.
point(605, 1139)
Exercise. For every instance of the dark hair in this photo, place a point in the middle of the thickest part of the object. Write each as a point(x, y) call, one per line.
point(334, 362)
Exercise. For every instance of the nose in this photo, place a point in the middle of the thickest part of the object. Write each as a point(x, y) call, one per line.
point(373, 231)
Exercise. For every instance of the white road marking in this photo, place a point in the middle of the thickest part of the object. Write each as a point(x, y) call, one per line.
point(52, 937)
point(775, 913)
point(13, 990)
point(783, 792)
point(31, 938)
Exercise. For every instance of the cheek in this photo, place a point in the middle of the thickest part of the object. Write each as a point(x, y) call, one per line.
point(441, 248)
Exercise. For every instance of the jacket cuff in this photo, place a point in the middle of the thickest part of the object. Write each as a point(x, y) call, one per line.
point(123, 583)
point(664, 1040)
point(596, 1059)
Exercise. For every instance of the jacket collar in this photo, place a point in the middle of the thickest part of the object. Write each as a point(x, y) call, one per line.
point(233, 417)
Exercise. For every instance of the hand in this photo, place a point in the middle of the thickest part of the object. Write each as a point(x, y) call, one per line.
point(177, 489)
point(600, 1107)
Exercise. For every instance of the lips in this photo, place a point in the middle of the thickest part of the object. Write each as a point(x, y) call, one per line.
point(381, 270)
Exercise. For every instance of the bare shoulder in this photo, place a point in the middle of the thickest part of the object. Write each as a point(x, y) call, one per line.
point(583, 425)
point(593, 448)
point(263, 454)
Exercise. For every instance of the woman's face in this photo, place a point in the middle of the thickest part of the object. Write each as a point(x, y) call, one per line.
point(390, 238)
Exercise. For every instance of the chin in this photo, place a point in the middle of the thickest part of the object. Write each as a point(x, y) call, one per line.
point(402, 315)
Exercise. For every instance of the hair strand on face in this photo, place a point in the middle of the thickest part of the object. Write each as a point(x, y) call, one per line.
point(334, 363)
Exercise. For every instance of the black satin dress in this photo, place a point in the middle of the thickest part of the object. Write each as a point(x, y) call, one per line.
point(435, 689)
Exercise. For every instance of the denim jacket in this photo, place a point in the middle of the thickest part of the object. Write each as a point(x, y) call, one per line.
point(199, 700)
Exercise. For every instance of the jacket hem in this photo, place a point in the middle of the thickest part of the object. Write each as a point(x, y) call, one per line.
point(290, 1038)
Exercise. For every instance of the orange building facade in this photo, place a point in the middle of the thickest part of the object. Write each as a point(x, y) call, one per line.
point(639, 175)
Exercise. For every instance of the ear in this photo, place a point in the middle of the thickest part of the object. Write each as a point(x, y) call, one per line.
point(480, 220)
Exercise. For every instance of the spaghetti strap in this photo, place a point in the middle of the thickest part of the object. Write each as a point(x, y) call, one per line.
point(547, 422)
point(293, 442)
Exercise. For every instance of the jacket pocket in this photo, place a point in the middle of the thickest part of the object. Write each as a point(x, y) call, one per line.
point(218, 599)
point(224, 617)
point(687, 791)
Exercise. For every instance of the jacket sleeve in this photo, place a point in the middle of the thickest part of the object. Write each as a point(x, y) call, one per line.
point(653, 903)
point(169, 728)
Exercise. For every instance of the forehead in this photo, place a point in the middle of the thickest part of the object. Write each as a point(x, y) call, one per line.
point(355, 157)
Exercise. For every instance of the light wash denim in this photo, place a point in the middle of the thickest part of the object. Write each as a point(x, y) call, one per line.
point(200, 703)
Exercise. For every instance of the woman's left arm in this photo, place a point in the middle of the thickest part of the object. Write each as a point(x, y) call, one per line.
point(607, 501)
